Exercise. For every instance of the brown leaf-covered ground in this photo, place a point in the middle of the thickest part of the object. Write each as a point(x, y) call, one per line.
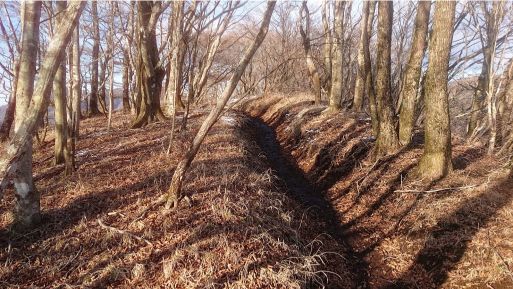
point(451, 233)
point(102, 226)
point(282, 197)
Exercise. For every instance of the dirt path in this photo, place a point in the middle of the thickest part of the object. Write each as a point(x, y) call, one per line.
point(292, 181)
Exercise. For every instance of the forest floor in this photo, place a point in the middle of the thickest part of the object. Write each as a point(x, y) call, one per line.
point(281, 196)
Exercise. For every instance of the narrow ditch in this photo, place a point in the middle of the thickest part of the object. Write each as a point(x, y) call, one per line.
point(292, 180)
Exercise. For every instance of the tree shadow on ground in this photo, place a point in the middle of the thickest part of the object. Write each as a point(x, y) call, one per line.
point(448, 243)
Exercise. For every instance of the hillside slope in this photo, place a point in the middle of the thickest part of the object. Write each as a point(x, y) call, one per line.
point(102, 228)
point(451, 233)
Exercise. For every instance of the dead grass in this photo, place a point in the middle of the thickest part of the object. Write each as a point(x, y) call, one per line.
point(239, 232)
point(446, 239)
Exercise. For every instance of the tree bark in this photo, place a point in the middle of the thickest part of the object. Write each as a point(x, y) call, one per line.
point(305, 36)
point(413, 72)
point(149, 71)
point(174, 192)
point(95, 54)
point(362, 73)
point(27, 209)
point(436, 160)
point(326, 47)
point(335, 100)
point(77, 95)
point(387, 141)
point(61, 149)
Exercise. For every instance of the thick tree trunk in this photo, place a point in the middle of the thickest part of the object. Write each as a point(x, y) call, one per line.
point(95, 54)
point(387, 141)
point(305, 35)
point(150, 74)
point(335, 100)
point(413, 72)
point(16, 160)
point(436, 160)
point(174, 192)
point(26, 207)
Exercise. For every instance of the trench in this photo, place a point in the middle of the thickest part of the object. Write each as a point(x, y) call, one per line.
point(293, 182)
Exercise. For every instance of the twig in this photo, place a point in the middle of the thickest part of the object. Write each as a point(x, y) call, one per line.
point(436, 190)
point(122, 232)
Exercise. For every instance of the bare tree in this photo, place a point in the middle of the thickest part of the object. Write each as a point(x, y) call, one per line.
point(412, 74)
point(335, 99)
point(150, 71)
point(304, 30)
point(361, 88)
point(387, 141)
point(61, 148)
point(93, 99)
point(18, 152)
point(174, 192)
point(436, 161)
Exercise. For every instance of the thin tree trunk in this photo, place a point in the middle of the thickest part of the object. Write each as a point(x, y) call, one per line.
point(387, 141)
point(174, 192)
point(5, 129)
point(361, 73)
point(326, 47)
point(413, 72)
point(95, 54)
point(436, 160)
point(77, 95)
point(61, 149)
point(335, 100)
point(305, 35)
point(126, 82)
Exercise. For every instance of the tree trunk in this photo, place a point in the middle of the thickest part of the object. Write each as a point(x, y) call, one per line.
point(61, 149)
point(360, 86)
point(436, 160)
point(305, 35)
point(413, 72)
point(95, 54)
point(5, 129)
point(174, 192)
point(387, 141)
point(18, 152)
point(335, 100)
point(177, 58)
point(77, 95)
point(126, 82)
point(26, 208)
point(150, 74)
point(326, 47)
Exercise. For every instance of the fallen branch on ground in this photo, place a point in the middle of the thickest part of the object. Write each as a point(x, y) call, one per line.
point(122, 232)
point(436, 190)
